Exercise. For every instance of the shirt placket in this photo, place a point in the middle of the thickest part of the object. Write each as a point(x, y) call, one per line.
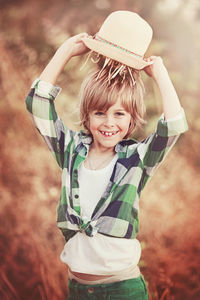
point(78, 157)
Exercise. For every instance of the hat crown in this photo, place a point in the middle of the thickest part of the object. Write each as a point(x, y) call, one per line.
point(127, 30)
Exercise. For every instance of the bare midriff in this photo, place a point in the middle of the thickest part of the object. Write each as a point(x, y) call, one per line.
point(89, 277)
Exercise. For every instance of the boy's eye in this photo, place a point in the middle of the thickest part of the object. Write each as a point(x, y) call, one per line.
point(99, 113)
point(119, 113)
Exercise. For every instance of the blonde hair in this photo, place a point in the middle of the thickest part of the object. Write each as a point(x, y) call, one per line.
point(103, 87)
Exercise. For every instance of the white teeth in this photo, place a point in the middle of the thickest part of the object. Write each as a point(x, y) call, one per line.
point(108, 133)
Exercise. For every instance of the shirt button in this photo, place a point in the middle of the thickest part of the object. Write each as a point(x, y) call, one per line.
point(76, 196)
point(91, 290)
point(58, 147)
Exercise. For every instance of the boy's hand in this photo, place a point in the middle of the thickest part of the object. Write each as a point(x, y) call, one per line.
point(75, 46)
point(156, 68)
point(71, 47)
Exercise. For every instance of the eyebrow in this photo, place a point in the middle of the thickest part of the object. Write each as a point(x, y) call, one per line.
point(119, 109)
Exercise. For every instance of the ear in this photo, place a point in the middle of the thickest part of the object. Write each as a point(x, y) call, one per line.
point(131, 125)
point(87, 123)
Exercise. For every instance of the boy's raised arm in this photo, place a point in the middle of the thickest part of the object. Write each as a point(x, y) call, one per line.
point(170, 100)
point(71, 47)
point(40, 100)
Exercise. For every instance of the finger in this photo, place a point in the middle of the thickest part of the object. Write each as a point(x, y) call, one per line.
point(149, 59)
point(149, 62)
point(155, 58)
point(80, 36)
point(83, 34)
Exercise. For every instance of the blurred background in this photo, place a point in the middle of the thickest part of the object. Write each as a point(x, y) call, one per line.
point(30, 243)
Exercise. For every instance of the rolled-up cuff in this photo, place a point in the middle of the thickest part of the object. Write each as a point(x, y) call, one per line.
point(45, 89)
point(173, 126)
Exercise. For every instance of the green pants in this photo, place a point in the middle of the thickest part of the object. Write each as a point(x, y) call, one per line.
point(131, 289)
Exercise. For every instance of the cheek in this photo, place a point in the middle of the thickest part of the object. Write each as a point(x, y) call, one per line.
point(93, 124)
point(125, 125)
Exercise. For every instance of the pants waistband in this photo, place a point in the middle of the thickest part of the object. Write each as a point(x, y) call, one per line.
point(129, 273)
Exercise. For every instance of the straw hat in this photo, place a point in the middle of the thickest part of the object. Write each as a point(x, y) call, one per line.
point(124, 36)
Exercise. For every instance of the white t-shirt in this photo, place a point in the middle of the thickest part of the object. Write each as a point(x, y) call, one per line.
point(100, 254)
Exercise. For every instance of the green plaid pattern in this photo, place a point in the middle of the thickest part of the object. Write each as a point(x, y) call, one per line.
point(116, 213)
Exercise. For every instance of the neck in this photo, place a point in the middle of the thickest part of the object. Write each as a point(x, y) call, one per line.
point(101, 150)
point(99, 158)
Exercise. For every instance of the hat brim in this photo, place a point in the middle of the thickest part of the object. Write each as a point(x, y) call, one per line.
point(116, 54)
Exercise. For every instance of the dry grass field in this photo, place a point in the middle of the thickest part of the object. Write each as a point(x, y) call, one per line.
point(30, 243)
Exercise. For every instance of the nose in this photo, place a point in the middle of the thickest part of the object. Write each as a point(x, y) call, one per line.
point(109, 122)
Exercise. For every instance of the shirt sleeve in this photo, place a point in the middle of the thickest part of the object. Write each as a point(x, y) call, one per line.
point(40, 104)
point(154, 149)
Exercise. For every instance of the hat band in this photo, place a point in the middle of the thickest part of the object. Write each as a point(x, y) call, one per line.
point(98, 38)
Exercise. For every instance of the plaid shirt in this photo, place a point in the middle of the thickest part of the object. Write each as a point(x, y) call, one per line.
point(116, 213)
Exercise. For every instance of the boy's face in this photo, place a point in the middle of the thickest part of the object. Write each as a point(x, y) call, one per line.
point(109, 127)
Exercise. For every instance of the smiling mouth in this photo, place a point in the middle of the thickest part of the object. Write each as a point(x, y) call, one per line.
point(108, 133)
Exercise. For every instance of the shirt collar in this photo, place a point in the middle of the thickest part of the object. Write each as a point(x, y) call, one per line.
point(120, 147)
point(85, 138)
